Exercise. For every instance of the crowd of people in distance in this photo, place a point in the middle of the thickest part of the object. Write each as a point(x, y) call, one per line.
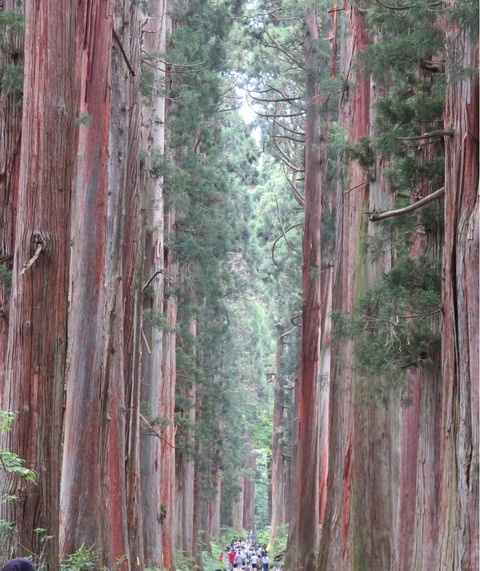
point(247, 555)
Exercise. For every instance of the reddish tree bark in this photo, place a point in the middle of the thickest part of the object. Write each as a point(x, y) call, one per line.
point(249, 492)
point(458, 545)
point(132, 267)
point(10, 145)
point(37, 337)
point(278, 469)
point(237, 507)
point(303, 546)
point(91, 486)
point(336, 548)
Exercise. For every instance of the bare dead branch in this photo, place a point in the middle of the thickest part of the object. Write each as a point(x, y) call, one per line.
point(356, 186)
point(277, 100)
point(34, 258)
point(289, 332)
point(293, 184)
point(409, 6)
point(124, 55)
point(153, 432)
point(438, 133)
point(411, 207)
point(151, 278)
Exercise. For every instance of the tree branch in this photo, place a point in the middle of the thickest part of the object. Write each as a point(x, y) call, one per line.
point(282, 235)
point(150, 280)
point(120, 45)
point(34, 258)
point(276, 100)
point(293, 183)
point(409, 6)
point(155, 433)
point(438, 133)
point(389, 213)
point(286, 160)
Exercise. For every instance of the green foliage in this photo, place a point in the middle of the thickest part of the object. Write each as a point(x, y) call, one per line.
point(12, 22)
point(6, 528)
point(82, 560)
point(405, 41)
point(10, 461)
point(83, 119)
point(11, 78)
point(156, 318)
point(11, 73)
point(363, 151)
point(407, 61)
point(392, 326)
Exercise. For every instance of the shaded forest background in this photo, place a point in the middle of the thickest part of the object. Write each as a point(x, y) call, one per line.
point(207, 324)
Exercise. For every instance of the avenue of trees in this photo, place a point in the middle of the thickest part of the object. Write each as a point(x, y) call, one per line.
point(206, 324)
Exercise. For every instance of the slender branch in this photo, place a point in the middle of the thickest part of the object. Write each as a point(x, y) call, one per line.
point(298, 316)
point(289, 332)
point(30, 263)
point(389, 213)
point(438, 133)
point(409, 6)
point(289, 138)
point(284, 51)
point(282, 235)
point(275, 115)
point(150, 280)
point(278, 90)
point(146, 342)
point(155, 433)
point(286, 160)
point(356, 186)
point(120, 45)
point(276, 100)
point(282, 126)
point(293, 183)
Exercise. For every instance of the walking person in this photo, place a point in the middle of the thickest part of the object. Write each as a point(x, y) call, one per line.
point(265, 561)
point(18, 564)
point(231, 558)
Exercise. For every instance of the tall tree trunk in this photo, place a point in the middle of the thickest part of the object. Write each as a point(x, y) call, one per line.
point(216, 503)
point(354, 117)
point(153, 145)
point(249, 491)
point(185, 474)
point(304, 546)
point(278, 470)
point(167, 406)
point(292, 517)
point(37, 337)
point(132, 265)
point(10, 144)
point(237, 508)
point(324, 393)
point(95, 288)
point(458, 546)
